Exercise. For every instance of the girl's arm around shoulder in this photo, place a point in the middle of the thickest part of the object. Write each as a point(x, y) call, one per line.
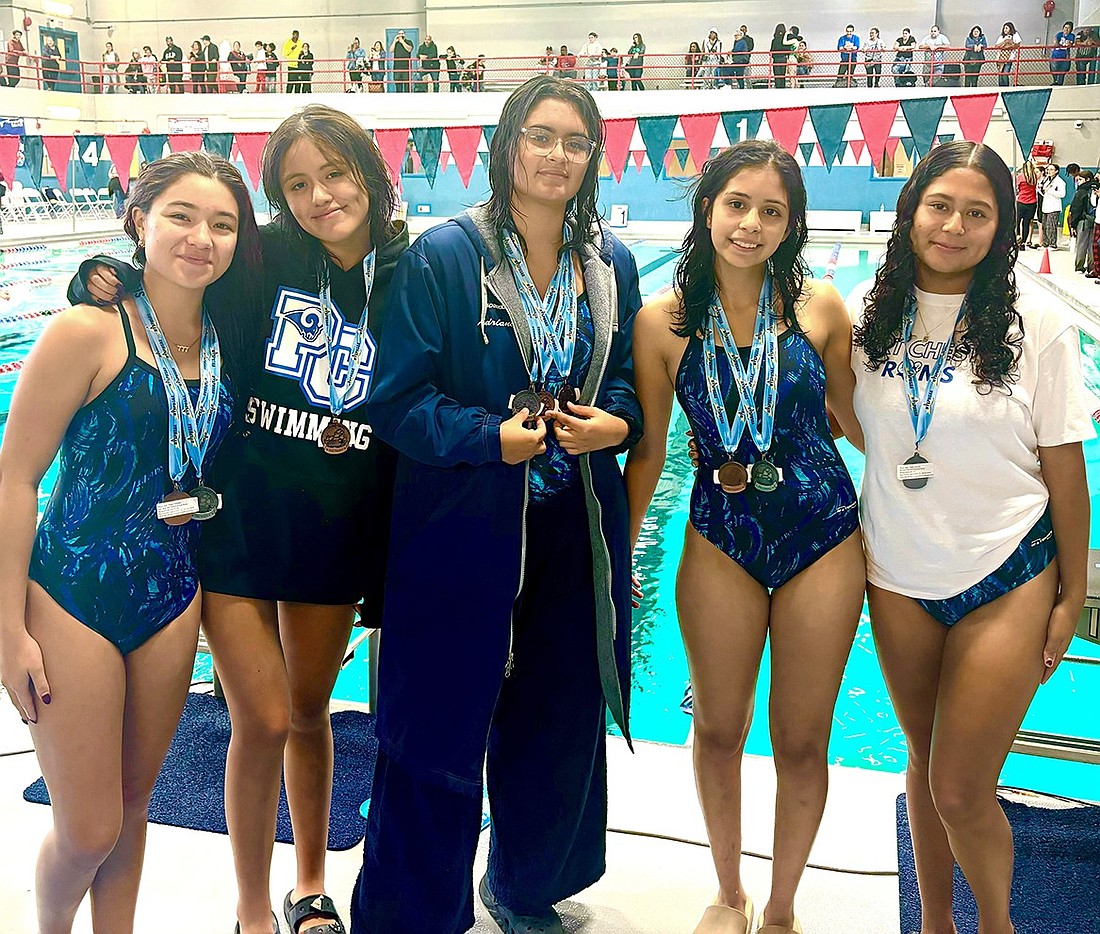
point(827, 325)
point(657, 353)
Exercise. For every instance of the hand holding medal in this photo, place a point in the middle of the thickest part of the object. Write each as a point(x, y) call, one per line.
point(585, 428)
point(518, 442)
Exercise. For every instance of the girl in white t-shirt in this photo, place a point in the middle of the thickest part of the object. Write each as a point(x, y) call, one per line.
point(972, 604)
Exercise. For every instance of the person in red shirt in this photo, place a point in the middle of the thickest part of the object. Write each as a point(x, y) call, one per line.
point(567, 63)
point(15, 49)
point(1026, 206)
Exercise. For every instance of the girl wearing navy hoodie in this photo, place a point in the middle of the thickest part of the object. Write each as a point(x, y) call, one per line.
point(505, 383)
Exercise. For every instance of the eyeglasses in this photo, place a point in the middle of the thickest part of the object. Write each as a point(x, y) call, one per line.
point(543, 143)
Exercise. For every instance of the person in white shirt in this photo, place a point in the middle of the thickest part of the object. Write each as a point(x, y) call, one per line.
point(975, 508)
point(712, 57)
point(1008, 52)
point(1051, 191)
point(592, 52)
point(934, 44)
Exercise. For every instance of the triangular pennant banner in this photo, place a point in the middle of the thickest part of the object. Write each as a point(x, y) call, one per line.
point(657, 135)
point(909, 145)
point(444, 159)
point(736, 131)
point(616, 144)
point(682, 157)
point(945, 138)
point(484, 158)
point(858, 146)
point(807, 150)
point(152, 146)
point(699, 133)
point(829, 124)
point(464, 141)
point(251, 146)
point(32, 159)
point(875, 120)
point(121, 150)
point(786, 126)
point(88, 150)
point(60, 150)
point(218, 144)
point(973, 111)
point(488, 131)
point(428, 141)
point(9, 157)
point(639, 157)
point(892, 146)
point(923, 116)
point(393, 144)
point(185, 142)
point(1025, 110)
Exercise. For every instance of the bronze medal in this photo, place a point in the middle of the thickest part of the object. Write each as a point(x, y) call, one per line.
point(732, 477)
point(174, 515)
point(549, 403)
point(336, 438)
point(566, 395)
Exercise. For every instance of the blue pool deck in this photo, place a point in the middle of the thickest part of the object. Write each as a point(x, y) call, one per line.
point(660, 875)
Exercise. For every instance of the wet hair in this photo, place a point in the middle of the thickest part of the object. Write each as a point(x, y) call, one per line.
point(582, 211)
point(993, 327)
point(346, 143)
point(695, 279)
point(229, 300)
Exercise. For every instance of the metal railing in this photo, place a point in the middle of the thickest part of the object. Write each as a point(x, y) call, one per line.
point(947, 67)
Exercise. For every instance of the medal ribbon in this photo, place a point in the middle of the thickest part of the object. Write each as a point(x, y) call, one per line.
point(553, 320)
point(763, 358)
point(338, 397)
point(922, 405)
point(189, 428)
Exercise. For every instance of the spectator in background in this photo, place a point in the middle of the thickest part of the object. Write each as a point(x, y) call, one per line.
point(211, 57)
point(305, 70)
point(111, 62)
point(1064, 41)
point(135, 80)
point(292, 48)
point(692, 64)
point(712, 58)
point(848, 45)
point(792, 38)
point(401, 54)
point(197, 67)
point(1086, 56)
point(429, 62)
point(974, 56)
point(1051, 189)
point(548, 62)
point(781, 50)
point(455, 66)
point(1008, 53)
point(904, 77)
point(934, 44)
point(238, 64)
point(150, 68)
point(567, 64)
point(271, 61)
point(739, 57)
point(114, 189)
point(804, 63)
point(51, 63)
point(873, 52)
point(376, 67)
point(592, 53)
point(635, 62)
point(172, 58)
point(474, 78)
point(11, 59)
point(258, 62)
point(1026, 204)
point(750, 44)
point(356, 64)
point(614, 66)
point(1082, 217)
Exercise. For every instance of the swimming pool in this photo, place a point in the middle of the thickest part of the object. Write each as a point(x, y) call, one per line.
point(865, 730)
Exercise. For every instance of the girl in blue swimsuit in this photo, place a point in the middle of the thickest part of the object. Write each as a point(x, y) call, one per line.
point(101, 603)
point(754, 351)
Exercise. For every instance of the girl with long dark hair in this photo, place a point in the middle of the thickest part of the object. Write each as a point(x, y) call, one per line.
point(1027, 203)
point(307, 486)
point(975, 508)
point(505, 382)
point(754, 351)
point(99, 609)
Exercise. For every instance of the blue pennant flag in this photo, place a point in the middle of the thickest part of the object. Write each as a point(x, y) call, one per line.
point(218, 144)
point(829, 125)
point(923, 116)
point(152, 146)
point(909, 144)
point(489, 131)
point(88, 165)
point(732, 124)
point(807, 150)
point(681, 157)
point(32, 158)
point(1026, 109)
point(428, 141)
point(657, 135)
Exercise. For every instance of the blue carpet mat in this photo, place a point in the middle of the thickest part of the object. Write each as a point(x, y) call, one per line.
point(1056, 884)
point(191, 787)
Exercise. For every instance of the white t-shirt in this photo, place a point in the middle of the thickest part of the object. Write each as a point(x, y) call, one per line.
point(987, 491)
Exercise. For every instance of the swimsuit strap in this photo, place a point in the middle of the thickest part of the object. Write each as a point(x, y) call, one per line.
point(131, 349)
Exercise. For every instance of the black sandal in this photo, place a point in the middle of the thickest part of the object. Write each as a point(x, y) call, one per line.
point(312, 908)
point(274, 925)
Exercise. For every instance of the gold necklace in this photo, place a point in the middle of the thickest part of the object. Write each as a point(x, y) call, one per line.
point(185, 348)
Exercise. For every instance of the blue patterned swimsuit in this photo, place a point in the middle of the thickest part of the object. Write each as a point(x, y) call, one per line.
point(773, 536)
point(101, 553)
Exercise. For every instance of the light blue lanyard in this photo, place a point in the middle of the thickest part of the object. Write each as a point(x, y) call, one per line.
point(553, 320)
point(338, 397)
point(763, 358)
point(923, 404)
point(189, 429)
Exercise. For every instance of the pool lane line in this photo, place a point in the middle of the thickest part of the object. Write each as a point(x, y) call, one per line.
point(30, 315)
point(654, 264)
point(14, 367)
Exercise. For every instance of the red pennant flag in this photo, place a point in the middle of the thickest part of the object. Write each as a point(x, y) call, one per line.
point(892, 146)
point(858, 146)
point(875, 119)
point(121, 150)
point(699, 133)
point(820, 152)
point(251, 146)
point(59, 149)
point(786, 126)
point(185, 142)
point(394, 146)
point(9, 157)
point(639, 158)
point(617, 135)
point(464, 141)
point(444, 158)
point(974, 111)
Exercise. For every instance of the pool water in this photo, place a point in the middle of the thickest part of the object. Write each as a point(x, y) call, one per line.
point(865, 729)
